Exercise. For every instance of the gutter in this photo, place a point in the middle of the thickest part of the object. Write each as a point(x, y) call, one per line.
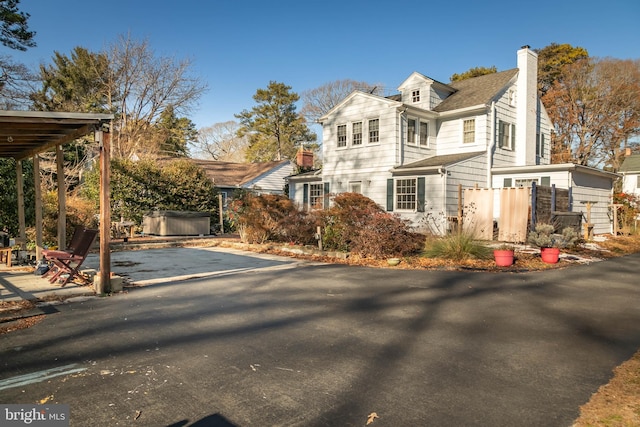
point(492, 145)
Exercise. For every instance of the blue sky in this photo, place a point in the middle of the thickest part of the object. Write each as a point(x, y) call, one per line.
point(239, 46)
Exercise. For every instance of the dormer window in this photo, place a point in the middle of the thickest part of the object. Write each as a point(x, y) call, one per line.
point(415, 96)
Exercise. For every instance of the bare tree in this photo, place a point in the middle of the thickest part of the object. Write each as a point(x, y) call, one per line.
point(595, 107)
point(317, 102)
point(16, 83)
point(144, 85)
point(221, 142)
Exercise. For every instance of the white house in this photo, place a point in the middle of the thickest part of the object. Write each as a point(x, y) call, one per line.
point(630, 170)
point(261, 178)
point(411, 151)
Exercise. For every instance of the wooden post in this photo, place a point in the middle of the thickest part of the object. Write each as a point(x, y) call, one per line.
point(319, 237)
point(615, 207)
point(62, 199)
point(103, 137)
point(38, 205)
point(220, 206)
point(459, 208)
point(21, 217)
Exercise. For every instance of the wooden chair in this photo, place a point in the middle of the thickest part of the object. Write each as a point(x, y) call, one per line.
point(69, 261)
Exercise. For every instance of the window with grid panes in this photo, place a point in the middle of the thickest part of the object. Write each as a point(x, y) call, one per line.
point(342, 135)
point(316, 195)
point(406, 194)
point(357, 133)
point(424, 133)
point(415, 95)
point(411, 131)
point(469, 131)
point(374, 130)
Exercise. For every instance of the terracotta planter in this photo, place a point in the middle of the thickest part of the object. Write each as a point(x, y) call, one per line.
point(503, 257)
point(550, 255)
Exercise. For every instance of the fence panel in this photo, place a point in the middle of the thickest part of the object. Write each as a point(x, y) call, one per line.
point(478, 212)
point(514, 214)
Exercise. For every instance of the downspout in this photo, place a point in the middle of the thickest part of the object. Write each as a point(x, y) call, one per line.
point(443, 174)
point(400, 150)
point(491, 145)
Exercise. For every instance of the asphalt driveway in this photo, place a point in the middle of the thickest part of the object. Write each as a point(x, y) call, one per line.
point(318, 345)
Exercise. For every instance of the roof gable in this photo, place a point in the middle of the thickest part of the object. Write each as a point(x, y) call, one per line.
point(351, 96)
point(631, 164)
point(477, 90)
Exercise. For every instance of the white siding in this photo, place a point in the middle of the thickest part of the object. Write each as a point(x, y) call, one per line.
point(630, 184)
point(365, 161)
point(272, 182)
point(467, 173)
point(449, 139)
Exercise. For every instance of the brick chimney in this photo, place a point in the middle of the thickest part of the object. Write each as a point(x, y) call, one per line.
point(304, 159)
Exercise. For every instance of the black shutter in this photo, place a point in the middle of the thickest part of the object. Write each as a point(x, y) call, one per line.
point(421, 194)
point(390, 194)
point(326, 195)
point(305, 195)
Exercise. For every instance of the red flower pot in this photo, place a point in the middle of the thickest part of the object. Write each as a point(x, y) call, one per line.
point(503, 257)
point(550, 255)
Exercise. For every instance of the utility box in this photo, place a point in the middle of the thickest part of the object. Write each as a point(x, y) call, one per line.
point(176, 223)
point(562, 220)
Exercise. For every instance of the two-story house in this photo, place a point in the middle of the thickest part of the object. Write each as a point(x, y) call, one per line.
point(410, 152)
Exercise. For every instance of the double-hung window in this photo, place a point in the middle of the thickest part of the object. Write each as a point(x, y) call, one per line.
point(469, 131)
point(424, 134)
point(411, 131)
point(316, 195)
point(406, 194)
point(342, 136)
point(374, 131)
point(357, 133)
point(506, 135)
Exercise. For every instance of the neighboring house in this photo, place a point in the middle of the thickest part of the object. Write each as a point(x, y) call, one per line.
point(410, 152)
point(261, 178)
point(630, 171)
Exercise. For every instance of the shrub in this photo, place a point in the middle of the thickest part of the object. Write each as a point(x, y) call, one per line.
point(544, 237)
point(258, 218)
point(457, 247)
point(356, 223)
point(383, 235)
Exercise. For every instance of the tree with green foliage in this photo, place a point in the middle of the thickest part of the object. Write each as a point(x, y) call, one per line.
point(473, 72)
point(78, 83)
point(175, 134)
point(274, 128)
point(551, 60)
point(9, 195)
point(14, 26)
point(145, 185)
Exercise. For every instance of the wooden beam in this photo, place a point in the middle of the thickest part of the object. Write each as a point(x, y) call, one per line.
point(38, 203)
point(22, 228)
point(104, 139)
point(62, 200)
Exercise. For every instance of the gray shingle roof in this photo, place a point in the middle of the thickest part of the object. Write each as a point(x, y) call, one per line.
point(476, 90)
point(631, 164)
point(437, 161)
point(228, 174)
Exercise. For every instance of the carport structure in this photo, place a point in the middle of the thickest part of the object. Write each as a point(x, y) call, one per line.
point(26, 134)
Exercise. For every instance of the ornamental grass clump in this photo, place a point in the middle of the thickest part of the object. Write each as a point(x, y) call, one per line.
point(457, 247)
point(544, 237)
